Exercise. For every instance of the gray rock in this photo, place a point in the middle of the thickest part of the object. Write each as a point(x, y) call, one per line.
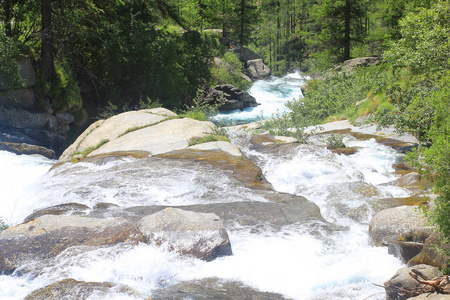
point(199, 234)
point(213, 288)
point(60, 209)
point(430, 255)
point(234, 97)
point(19, 118)
point(351, 64)
point(279, 210)
point(18, 98)
point(401, 229)
point(257, 69)
point(26, 70)
point(245, 54)
point(49, 235)
point(402, 286)
point(73, 289)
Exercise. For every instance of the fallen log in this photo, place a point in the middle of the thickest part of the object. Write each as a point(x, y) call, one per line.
point(440, 284)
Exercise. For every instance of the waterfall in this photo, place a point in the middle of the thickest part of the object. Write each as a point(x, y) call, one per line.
point(298, 261)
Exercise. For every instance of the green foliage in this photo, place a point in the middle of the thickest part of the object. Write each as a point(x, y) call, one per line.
point(339, 92)
point(86, 152)
point(110, 110)
point(335, 141)
point(207, 139)
point(3, 225)
point(425, 42)
point(63, 92)
point(9, 52)
point(200, 109)
point(433, 157)
point(229, 70)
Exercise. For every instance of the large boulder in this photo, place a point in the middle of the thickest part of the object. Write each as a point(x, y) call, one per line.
point(24, 98)
point(402, 229)
point(49, 235)
point(213, 288)
point(234, 97)
point(199, 234)
point(402, 286)
point(19, 118)
point(351, 64)
point(245, 54)
point(153, 131)
point(74, 289)
point(257, 69)
point(430, 254)
point(26, 71)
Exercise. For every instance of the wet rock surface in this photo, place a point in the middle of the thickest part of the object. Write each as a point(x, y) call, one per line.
point(49, 235)
point(213, 288)
point(401, 229)
point(199, 234)
point(74, 289)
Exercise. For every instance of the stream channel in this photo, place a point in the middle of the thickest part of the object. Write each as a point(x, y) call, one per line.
point(300, 261)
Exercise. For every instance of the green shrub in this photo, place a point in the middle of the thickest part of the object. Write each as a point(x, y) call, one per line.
point(335, 141)
point(229, 71)
point(207, 139)
point(3, 225)
point(9, 52)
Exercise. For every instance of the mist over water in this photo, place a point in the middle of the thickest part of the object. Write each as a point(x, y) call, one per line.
point(298, 261)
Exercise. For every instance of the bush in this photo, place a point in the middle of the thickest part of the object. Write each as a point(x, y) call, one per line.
point(229, 70)
point(9, 75)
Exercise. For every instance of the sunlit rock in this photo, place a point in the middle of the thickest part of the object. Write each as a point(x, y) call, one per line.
point(199, 234)
point(402, 229)
point(74, 289)
point(113, 128)
point(257, 69)
point(49, 235)
point(402, 286)
point(430, 255)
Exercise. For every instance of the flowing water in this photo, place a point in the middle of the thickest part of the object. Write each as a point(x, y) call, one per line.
point(272, 95)
point(295, 261)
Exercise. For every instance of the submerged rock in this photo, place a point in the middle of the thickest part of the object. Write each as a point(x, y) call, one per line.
point(199, 234)
point(402, 286)
point(74, 289)
point(49, 235)
point(213, 288)
point(279, 209)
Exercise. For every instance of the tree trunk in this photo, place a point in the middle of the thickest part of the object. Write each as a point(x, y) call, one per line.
point(47, 41)
point(347, 16)
point(241, 35)
point(7, 8)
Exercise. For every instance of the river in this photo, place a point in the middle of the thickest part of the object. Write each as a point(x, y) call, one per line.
point(294, 261)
